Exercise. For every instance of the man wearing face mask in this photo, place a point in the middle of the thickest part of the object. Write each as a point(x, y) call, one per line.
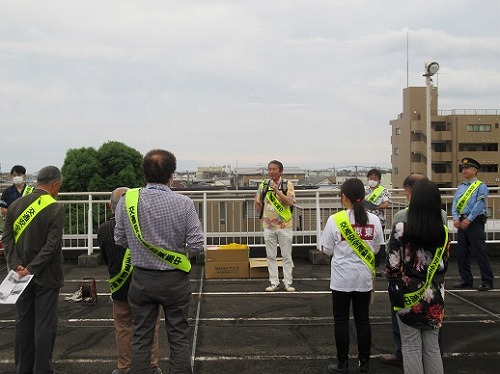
point(18, 188)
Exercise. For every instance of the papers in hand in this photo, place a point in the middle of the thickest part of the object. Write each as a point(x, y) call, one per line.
point(12, 287)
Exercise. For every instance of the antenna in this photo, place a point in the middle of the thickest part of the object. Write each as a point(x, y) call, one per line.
point(407, 59)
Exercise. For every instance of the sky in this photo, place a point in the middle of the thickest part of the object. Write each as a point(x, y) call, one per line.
point(311, 83)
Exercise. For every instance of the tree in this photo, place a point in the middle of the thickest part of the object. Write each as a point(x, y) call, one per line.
point(113, 165)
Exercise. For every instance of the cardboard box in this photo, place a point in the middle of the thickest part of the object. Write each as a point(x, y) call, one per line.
point(226, 263)
point(258, 268)
point(226, 270)
point(214, 254)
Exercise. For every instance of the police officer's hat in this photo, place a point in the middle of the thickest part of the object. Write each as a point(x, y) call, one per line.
point(468, 162)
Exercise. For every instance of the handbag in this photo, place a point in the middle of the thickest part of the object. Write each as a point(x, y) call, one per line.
point(396, 294)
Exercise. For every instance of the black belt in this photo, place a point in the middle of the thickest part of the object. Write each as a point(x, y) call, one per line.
point(464, 216)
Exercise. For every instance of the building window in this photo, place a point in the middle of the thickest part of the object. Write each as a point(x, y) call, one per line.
point(439, 126)
point(439, 147)
point(398, 130)
point(478, 147)
point(489, 168)
point(479, 128)
point(396, 151)
point(439, 168)
point(222, 213)
point(396, 171)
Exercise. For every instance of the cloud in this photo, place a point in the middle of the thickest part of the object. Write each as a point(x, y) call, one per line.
point(313, 84)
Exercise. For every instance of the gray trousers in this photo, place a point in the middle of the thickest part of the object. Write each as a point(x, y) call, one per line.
point(36, 328)
point(285, 238)
point(148, 290)
point(421, 354)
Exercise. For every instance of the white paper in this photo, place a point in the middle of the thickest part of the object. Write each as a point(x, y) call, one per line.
point(12, 287)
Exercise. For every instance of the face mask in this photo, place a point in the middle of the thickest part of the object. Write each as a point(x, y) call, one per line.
point(18, 180)
point(372, 183)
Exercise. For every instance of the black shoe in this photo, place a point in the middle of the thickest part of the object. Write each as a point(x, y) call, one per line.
point(462, 284)
point(364, 367)
point(339, 368)
point(484, 287)
point(392, 359)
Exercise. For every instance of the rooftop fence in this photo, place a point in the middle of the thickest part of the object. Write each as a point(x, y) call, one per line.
point(229, 216)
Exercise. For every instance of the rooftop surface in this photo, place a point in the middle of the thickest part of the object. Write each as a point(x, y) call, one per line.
point(236, 327)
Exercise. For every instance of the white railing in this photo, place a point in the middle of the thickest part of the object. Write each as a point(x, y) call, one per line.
point(229, 216)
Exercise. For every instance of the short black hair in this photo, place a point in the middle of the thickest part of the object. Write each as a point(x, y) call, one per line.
point(277, 163)
point(375, 172)
point(18, 169)
point(159, 165)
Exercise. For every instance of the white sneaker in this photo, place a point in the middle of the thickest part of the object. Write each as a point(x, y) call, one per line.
point(272, 287)
point(289, 288)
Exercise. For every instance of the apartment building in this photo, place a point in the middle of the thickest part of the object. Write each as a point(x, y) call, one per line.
point(455, 134)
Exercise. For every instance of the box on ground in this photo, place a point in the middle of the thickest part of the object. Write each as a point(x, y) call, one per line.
point(226, 262)
point(258, 268)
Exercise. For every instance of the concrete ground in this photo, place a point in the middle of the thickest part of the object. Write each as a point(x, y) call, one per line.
point(236, 327)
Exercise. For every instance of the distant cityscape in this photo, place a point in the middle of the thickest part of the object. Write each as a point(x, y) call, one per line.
point(249, 177)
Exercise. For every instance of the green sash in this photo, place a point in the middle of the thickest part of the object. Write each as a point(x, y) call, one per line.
point(174, 259)
point(28, 190)
point(414, 297)
point(462, 202)
point(357, 244)
point(375, 194)
point(283, 211)
point(29, 213)
point(119, 279)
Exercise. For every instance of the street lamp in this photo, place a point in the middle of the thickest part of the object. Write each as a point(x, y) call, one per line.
point(431, 68)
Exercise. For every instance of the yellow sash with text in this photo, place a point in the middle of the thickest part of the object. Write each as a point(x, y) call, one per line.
point(28, 190)
point(414, 297)
point(283, 211)
point(119, 279)
point(357, 244)
point(29, 213)
point(464, 199)
point(175, 259)
point(375, 194)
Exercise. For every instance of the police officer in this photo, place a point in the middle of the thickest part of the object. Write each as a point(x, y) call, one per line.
point(469, 217)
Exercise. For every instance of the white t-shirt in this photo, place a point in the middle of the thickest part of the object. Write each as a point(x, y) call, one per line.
point(348, 271)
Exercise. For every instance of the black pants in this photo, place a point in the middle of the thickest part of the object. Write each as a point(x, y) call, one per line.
point(472, 241)
point(169, 289)
point(360, 309)
point(36, 328)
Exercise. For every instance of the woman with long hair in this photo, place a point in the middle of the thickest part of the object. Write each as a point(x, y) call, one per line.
point(417, 261)
point(352, 237)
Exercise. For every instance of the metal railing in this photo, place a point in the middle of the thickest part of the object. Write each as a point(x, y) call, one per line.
point(229, 216)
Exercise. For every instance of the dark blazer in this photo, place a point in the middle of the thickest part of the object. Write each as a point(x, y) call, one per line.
point(39, 248)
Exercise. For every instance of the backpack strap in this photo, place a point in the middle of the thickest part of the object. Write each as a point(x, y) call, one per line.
point(265, 186)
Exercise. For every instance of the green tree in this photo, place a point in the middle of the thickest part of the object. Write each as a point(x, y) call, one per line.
point(80, 165)
point(113, 165)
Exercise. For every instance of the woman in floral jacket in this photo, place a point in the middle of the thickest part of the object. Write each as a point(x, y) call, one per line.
point(414, 247)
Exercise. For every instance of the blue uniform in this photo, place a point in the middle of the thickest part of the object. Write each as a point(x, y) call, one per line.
point(472, 239)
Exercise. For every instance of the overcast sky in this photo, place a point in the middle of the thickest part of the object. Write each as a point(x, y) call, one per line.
point(311, 83)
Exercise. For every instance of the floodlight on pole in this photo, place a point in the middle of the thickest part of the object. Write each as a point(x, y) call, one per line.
point(431, 68)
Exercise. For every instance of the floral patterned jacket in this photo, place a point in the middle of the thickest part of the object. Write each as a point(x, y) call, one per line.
point(411, 268)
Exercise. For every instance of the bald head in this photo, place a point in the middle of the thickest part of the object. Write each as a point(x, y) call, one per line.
point(116, 196)
point(410, 181)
